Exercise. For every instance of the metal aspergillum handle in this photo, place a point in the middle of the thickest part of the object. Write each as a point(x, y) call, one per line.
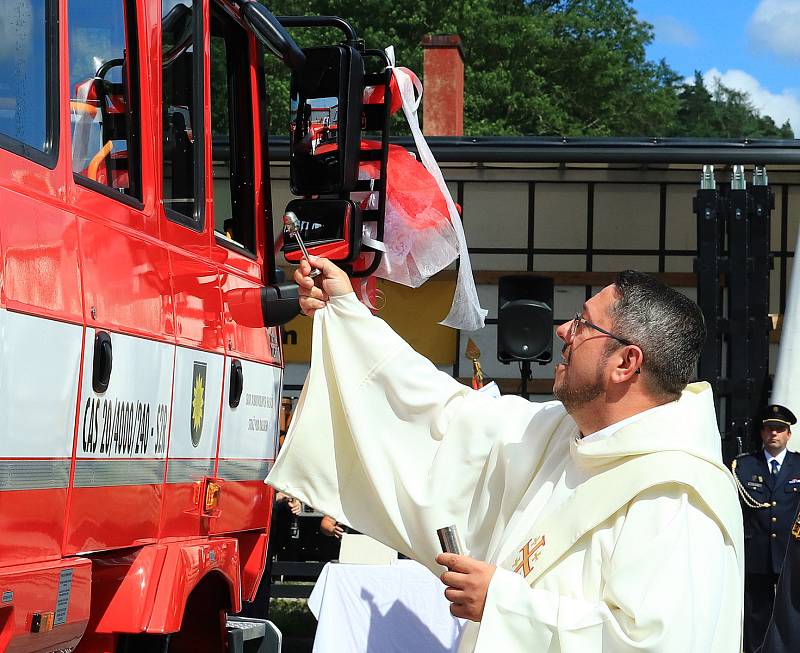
point(292, 224)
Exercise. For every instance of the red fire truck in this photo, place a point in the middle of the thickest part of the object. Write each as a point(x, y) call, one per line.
point(140, 359)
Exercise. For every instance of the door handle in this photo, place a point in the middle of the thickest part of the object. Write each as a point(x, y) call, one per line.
point(103, 362)
point(237, 383)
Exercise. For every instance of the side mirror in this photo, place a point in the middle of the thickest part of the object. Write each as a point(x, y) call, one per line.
point(328, 227)
point(263, 307)
point(272, 34)
point(325, 126)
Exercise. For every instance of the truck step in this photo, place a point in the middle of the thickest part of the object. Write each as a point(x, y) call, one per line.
point(248, 635)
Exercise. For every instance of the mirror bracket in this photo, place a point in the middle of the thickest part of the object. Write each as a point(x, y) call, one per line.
point(271, 33)
point(280, 303)
point(314, 171)
point(324, 21)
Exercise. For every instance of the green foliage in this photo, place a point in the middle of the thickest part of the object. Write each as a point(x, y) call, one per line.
point(220, 125)
point(540, 67)
point(724, 112)
point(292, 617)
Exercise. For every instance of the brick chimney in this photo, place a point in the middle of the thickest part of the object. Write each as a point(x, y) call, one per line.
point(443, 79)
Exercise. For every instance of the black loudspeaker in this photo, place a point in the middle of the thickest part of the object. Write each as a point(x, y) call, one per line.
point(525, 319)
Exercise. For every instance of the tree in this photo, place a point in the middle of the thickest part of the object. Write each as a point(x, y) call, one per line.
point(574, 67)
point(539, 67)
point(696, 111)
point(723, 112)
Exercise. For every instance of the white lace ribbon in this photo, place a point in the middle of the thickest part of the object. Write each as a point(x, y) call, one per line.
point(465, 312)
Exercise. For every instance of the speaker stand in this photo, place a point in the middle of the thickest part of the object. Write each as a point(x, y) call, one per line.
point(525, 373)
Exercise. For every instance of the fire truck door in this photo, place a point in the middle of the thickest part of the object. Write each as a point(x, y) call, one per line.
point(41, 312)
point(253, 374)
point(129, 345)
point(200, 353)
point(199, 362)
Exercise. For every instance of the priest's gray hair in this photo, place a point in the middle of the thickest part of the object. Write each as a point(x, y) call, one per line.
point(667, 326)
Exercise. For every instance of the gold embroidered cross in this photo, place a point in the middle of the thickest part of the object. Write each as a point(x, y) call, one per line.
point(524, 563)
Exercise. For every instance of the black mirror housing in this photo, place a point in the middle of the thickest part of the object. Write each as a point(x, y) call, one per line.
point(280, 303)
point(329, 227)
point(325, 128)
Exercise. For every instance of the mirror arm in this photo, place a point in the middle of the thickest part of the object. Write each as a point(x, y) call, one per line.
point(271, 33)
point(280, 303)
point(324, 21)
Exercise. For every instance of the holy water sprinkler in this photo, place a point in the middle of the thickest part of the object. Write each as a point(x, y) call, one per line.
point(292, 224)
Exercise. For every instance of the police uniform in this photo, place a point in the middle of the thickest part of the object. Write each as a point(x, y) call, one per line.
point(769, 506)
point(783, 633)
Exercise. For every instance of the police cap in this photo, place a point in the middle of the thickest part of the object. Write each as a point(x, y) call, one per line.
point(777, 414)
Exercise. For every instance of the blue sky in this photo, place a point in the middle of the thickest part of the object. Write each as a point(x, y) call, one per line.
point(752, 45)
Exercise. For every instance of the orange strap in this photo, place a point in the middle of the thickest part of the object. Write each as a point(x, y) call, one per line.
point(97, 159)
point(83, 107)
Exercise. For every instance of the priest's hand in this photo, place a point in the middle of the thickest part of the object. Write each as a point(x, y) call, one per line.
point(467, 584)
point(316, 291)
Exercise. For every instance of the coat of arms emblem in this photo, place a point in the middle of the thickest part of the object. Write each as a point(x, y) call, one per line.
point(198, 402)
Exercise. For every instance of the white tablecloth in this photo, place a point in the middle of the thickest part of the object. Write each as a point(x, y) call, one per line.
point(398, 608)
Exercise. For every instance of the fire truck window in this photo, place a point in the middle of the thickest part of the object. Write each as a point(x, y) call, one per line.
point(231, 133)
point(103, 97)
point(178, 105)
point(25, 117)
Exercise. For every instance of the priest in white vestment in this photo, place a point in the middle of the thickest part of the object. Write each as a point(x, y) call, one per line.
point(604, 521)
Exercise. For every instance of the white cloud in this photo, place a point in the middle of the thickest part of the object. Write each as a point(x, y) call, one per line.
point(775, 27)
point(779, 106)
point(669, 29)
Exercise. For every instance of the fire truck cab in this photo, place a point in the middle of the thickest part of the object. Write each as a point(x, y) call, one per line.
point(140, 359)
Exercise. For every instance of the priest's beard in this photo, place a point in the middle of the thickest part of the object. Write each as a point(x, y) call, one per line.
point(575, 396)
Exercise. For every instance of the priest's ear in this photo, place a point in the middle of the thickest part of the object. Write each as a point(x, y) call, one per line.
point(628, 361)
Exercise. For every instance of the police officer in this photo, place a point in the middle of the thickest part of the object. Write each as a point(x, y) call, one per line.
point(769, 488)
point(783, 633)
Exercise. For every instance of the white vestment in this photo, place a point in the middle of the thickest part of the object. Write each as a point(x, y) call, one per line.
point(383, 441)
